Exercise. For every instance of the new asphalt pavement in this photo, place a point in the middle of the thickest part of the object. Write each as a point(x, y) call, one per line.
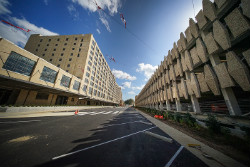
point(113, 137)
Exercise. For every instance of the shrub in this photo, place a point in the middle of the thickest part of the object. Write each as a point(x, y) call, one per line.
point(189, 120)
point(177, 117)
point(212, 124)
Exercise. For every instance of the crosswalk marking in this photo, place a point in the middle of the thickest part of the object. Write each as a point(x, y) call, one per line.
point(96, 112)
point(116, 112)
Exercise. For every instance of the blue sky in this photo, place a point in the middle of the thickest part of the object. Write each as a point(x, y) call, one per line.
point(152, 28)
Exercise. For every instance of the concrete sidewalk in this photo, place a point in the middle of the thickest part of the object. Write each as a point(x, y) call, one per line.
point(22, 112)
point(220, 159)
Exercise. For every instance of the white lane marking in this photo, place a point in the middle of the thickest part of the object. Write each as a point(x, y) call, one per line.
point(13, 122)
point(108, 112)
point(121, 123)
point(116, 112)
point(119, 138)
point(148, 123)
point(173, 158)
point(159, 136)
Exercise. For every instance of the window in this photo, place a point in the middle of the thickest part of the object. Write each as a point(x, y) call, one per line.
point(88, 68)
point(38, 45)
point(75, 38)
point(76, 85)
point(87, 74)
point(79, 50)
point(95, 92)
point(58, 65)
point(52, 54)
point(41, 40)
point(58, 39)
point(65, 81)
point(86, 80)
point(47, 44)
point(43, 54)
point(82, 40)
point(84, 88)
point(90, 63)
point(74, 43)
point(90, 57)
point(92, 78)
point(56, 45)
point(50, 59)
point(80, 44)
point(68, 65)
point(78, 55)
point(90, 90)
point(92, 83)
point(49, 40)
point(70, 59)
point(63, 49)
point(71, 54)
point(61, 54)
point(67, 39)
point(73, 48)
point(72, 99)
point(42, 96)
point(93, 73)
point(60, 59)
point(18, 63)
point(48, 75)
point(65, 44)
point(55, 49)
point(45, 49)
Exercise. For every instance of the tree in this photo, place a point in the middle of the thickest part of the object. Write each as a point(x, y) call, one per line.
point(129, 101)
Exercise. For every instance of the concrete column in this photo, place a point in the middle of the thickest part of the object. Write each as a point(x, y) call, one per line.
point(161, 106)
point(156, 106)
point(168, 105)
point(195, 104)
point(194, 100)
point(228, 94)
point(178, 104)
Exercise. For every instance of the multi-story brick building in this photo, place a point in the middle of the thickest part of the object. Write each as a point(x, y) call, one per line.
point(80, 58)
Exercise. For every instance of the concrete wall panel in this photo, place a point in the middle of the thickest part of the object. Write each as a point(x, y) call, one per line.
point(223, 75)
point(237, 23)
point(201, 50)
point(221, 35)
point(194, 56)
point(193, 28)
point(246, 55)
point(210, 43)
point(238, 71)
point(201, 19)
point(209, 9)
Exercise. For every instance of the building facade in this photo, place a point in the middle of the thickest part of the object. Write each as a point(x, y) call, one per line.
point(207, 70)
point(62, 69)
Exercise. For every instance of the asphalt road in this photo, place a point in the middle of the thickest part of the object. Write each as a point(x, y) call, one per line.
point(113, 137)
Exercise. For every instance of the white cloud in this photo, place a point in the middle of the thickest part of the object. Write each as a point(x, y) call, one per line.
point(131, 93)
point(123, 75)
point(147, 69)
point(20, 37)
point(137, 87)
point(126, 84)
point(111, 5)
point(3, 7)
point(46, 2)
point(104, 20)
point(122, 87)
point(72, 10)
point(99, 32)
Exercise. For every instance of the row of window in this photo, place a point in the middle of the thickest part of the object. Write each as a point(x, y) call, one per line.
point(20, 64)
point(58, 39)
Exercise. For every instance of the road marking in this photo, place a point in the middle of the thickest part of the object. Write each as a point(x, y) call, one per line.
point(173, 158)
point(108, 112)
point(122, 123)
point(147, 123)
point(119, 138)
point(13, 122)
point(116, 112)
point(159, 136)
